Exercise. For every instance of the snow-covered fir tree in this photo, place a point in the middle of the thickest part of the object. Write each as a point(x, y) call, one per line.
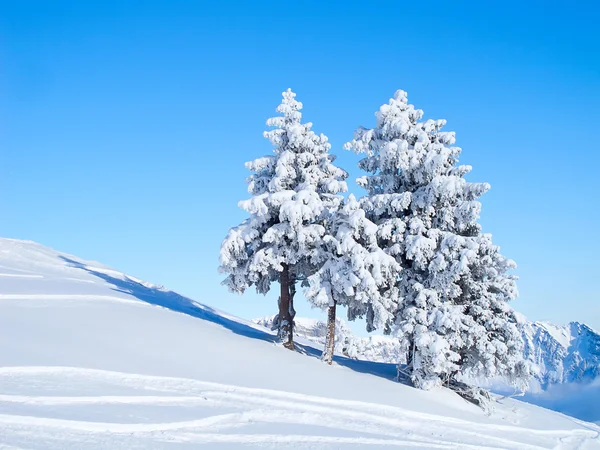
point(451, 313)
point(355, 273)
point(293, 192)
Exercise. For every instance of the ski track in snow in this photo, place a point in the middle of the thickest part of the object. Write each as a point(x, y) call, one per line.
point(376, 425)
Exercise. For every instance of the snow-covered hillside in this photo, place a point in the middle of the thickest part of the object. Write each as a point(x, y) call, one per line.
point(93, 358)
point(566, 354)
point(568, 360)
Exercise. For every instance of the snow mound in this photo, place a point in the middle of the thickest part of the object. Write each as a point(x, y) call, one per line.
point(93, 358)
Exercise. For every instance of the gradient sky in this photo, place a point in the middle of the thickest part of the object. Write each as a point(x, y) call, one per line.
point(124, 126)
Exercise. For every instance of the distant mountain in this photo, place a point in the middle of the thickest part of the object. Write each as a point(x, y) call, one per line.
point(566, 354)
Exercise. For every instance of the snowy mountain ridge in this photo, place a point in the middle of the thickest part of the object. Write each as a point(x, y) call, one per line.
point(563, 354)
point(566, 354)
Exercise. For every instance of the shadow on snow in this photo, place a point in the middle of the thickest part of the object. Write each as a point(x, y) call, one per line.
point(178, 303)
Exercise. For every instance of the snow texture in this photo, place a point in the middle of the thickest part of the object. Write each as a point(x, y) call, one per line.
point(93, 358)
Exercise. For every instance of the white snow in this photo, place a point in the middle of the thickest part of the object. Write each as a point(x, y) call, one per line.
point(560, 334)
point(92, 358)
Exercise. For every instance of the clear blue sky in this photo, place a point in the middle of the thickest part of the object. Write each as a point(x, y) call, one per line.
point(124, 126)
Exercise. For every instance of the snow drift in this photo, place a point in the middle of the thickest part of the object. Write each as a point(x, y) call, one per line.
point(93, 358)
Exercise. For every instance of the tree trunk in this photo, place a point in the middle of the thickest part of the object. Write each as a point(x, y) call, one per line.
point(330, 339)
point(292, 295)
point(285, 319)
point(405, 372)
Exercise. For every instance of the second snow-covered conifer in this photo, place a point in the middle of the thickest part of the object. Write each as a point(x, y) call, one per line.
point(451, 312)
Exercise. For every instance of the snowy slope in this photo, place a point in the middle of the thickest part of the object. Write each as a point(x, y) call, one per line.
point(92, 358)
point(567, 354)
point(568, 359)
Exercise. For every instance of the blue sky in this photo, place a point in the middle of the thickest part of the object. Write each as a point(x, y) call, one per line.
point(124, 126)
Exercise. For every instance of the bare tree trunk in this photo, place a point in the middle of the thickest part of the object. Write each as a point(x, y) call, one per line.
point(285, 306)
point(330, 339)
point(292, 295)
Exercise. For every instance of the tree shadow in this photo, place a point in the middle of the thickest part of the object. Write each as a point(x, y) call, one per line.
point(171, 300)
point(164, 298)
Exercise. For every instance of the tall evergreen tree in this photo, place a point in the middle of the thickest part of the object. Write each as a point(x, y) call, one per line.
point(293, 192)
point(355, 272)
point(451, 314)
